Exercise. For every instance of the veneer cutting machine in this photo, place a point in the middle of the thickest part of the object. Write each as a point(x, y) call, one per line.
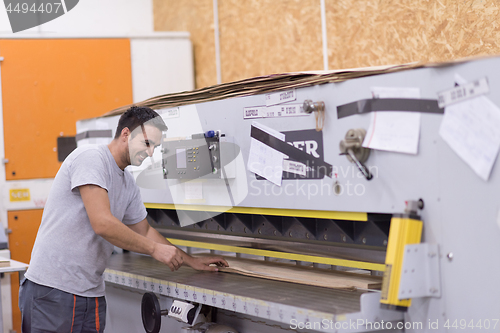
point(426, 220)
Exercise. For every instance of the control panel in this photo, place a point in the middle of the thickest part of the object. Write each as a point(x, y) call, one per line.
point(196, 157)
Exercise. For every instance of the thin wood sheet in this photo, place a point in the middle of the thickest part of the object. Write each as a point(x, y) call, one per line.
point(302, 275)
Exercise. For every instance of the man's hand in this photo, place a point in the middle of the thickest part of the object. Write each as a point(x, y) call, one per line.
point(169, 255)
point(203, 263)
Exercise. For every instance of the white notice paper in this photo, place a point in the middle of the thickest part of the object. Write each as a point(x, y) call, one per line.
point(471, 130)
point(396, 131)
point(264, 160)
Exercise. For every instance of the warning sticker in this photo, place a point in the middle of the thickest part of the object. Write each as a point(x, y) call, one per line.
point(22, 194)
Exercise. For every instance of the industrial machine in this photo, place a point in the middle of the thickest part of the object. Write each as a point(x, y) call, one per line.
point(389, 172)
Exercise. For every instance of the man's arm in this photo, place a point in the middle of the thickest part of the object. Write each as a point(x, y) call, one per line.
point(140, 237)
point(96, 203)
point(198, 263)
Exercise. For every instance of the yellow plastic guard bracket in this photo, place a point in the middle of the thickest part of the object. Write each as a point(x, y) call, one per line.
point(404, 230)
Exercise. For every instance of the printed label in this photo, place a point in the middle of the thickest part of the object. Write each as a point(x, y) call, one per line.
point(294, 167)
point(280, 97)
point(276, 111)
point(463, 92)
point(309, 141)
point(20, 194)
point(289, 110)
point(253, 112)
point(170, 113)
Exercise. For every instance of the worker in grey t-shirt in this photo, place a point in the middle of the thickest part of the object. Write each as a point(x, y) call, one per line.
point(92, 206)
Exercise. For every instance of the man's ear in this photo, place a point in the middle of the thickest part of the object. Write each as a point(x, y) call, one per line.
point(125, 134)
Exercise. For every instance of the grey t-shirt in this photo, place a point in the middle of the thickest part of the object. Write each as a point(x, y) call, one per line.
point(68, 254)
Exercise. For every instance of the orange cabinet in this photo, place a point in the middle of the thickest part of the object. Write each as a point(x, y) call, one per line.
point(49, 84)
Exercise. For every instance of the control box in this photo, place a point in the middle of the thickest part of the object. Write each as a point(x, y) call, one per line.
point(201, 156)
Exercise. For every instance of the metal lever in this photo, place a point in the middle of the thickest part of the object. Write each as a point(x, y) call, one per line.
point(352, 147)
point(364, 170)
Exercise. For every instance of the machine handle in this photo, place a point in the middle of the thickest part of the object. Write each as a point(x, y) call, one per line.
point(364, 170)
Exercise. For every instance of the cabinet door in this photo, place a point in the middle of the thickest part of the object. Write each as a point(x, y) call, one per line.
point(49, 84)
point(24, 225)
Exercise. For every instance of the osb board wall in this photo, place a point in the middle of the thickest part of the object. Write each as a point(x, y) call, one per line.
point(197, 17)
point(369, 33)
point(259, 37)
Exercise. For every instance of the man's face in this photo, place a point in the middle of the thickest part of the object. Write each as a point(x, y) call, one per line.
point(142, 143)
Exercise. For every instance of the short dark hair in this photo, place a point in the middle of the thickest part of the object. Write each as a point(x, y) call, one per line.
point(137, 116)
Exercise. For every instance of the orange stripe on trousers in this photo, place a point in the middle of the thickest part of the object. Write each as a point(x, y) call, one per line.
point(97, 326)
point(74, 306)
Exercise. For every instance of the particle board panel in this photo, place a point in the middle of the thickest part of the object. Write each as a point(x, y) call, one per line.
point(261, 37)
point(49, 84)
point(197, 17)
point(371, 32)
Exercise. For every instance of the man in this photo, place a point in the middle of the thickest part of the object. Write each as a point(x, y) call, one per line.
point(94, 204)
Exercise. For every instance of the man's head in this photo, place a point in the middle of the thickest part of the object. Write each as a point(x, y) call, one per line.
point(137, 116)
point(141, 129)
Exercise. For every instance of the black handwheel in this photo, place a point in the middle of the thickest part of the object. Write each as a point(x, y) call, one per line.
point(151, 313)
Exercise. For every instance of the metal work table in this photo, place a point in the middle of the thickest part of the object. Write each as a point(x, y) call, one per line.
point(273, 300)
point(14, 266)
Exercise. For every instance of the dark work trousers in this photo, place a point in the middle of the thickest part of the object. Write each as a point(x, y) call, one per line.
point(45, 309)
